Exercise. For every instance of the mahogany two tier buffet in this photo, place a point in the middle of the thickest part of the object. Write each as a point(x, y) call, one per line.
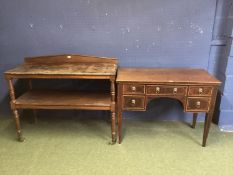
point(63, 67)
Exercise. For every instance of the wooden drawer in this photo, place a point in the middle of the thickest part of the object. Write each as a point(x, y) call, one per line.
point(133, 89)
point(198, 104)
point(166, 90)
point(133, 102)
point(200, 91)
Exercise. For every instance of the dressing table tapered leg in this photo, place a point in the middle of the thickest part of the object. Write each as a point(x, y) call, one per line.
point(209, 116)
point(119, 126)
point(194, 120)
point(208, 119)
point(119, 112)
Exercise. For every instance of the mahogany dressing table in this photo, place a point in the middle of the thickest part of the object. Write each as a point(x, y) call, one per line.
point(196, 89)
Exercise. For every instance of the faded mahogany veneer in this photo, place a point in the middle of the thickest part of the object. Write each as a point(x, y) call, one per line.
point(196, 89)
point(63, 67)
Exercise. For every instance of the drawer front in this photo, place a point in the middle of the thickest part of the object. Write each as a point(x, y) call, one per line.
point(200, 91)
point(198, 104)
point(133, 102)
point(133, 89)
point(166, 90)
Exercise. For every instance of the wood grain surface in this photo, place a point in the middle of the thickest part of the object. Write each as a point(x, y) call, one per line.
point(154, 75)
point(64, 69)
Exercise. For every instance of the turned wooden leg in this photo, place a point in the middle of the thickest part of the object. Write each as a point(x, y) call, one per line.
point(18, 128)
point(113, 127)
point(194, 120)
point(15, 112)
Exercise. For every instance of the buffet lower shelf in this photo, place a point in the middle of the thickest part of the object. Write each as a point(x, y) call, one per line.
point(50, 99)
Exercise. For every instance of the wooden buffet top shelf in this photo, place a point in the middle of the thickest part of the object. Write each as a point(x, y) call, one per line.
point(64, 69)
point(65, 66)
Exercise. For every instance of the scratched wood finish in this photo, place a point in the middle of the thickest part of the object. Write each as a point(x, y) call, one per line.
point(196, 89)
point(64, 67)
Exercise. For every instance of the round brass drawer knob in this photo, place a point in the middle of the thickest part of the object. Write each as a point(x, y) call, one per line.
point(157, 89)
point(174, 90)
point(133, 101)
point(198, 104)
point(133, 88)
point(200, 90)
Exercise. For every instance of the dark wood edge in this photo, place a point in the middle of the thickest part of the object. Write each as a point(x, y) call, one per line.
point(56, 76)
point(133, 109)
point(199, 95)
point(171, 83)
point(20, 106)
point(197, 111)
point(69, 58)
